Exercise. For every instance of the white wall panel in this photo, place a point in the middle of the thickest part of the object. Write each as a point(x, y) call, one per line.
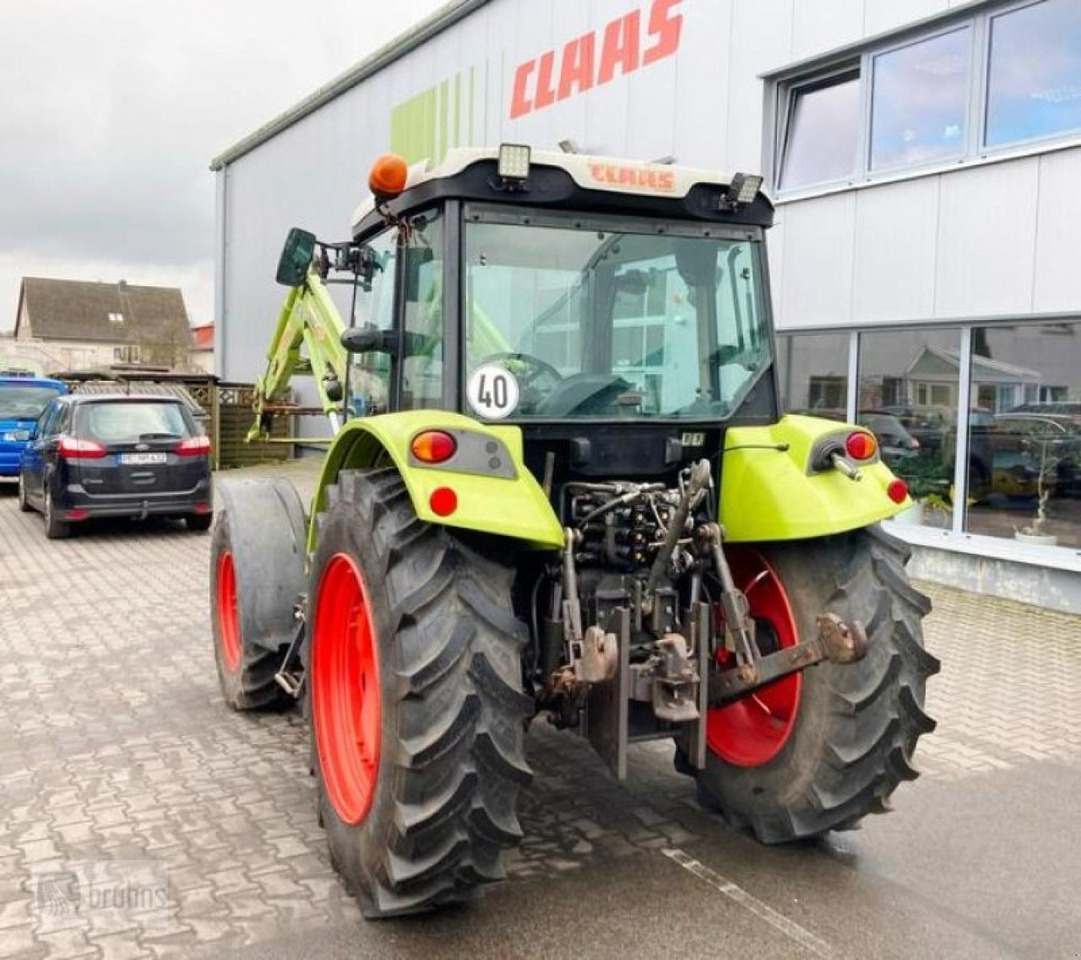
point(987, 240)
point(1058, 236)
point(821, 25)
point(816, 276)
point(882, 15)
point(894, 268)
point(754, 50)
point(700, 106)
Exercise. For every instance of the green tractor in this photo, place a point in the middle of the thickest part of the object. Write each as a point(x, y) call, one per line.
point(561, 482)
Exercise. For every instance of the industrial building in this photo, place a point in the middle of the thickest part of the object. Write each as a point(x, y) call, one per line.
point(924, 157)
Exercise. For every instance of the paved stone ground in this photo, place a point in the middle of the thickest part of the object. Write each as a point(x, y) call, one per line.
point(115, 746)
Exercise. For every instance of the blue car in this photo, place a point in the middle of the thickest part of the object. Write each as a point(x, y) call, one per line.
point(22, 399)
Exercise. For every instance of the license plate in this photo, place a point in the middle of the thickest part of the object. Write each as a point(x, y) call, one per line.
point(142, 459)
point(16, 436)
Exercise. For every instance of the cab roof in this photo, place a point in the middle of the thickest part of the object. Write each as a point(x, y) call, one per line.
point(571, 181)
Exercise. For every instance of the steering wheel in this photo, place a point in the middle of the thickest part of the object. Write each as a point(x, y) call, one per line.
point(539, 367)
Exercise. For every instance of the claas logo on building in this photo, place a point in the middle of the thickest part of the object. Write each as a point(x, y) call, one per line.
point(636, 40)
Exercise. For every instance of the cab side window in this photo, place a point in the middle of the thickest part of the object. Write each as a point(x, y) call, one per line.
point(369, 373)
point(422, 360)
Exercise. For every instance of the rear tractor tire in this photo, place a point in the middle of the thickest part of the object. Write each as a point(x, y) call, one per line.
point(818, 750)
point(256, 577)
point(415, 697)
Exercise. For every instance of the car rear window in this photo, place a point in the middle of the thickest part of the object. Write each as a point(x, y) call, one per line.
point(19, 402)
point(130, 422)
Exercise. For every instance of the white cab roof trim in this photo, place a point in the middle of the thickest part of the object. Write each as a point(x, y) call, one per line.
point(613, 174)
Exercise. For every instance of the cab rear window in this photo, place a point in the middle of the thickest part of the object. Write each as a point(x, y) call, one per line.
point(131, 422)
point(18, 402)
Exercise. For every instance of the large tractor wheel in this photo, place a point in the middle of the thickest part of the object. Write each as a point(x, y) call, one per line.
point(818, 750)
point(256, 578)
point(416, 702)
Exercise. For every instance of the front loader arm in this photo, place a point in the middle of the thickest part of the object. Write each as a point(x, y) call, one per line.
point(309, 319)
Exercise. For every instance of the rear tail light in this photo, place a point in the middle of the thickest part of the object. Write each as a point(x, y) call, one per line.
point(897, 491)
point(434, 446)
point(861, 446)
point(70, 448)
point(77, 514)
point(193, 446)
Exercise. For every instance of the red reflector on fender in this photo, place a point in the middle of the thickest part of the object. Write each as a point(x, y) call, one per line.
point(443, 501)
point(897, 491)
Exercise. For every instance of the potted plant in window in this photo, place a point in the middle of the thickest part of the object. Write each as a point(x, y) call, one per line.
point(1046, 476)
point(929, 479)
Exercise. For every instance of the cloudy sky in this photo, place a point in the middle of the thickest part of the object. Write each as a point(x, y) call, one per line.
point(112, 109)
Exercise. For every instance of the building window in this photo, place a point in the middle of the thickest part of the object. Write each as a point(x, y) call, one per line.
point(116, 318)
point(1002, 77)
point(1034, 76)
point(822, 131)
point(920, 101)
point(814, 374)
point(129, 353)
point(1024, 474)
point(908, 395)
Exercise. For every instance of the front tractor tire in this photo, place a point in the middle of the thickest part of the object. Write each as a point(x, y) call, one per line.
point(256, 578)
point(818, 750)
point(416, 702)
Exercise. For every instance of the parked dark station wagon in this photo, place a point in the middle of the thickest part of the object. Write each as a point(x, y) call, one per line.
point(104, 455)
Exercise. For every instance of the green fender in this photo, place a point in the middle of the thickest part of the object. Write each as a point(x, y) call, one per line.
point(504, 500)
point(768, 491)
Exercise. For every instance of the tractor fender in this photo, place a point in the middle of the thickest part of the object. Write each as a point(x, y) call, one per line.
point(266, 536)
point(769, 490)
point(495, 491)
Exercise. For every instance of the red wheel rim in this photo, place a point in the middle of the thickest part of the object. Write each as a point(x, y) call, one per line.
point(750, 732)
point(228, 619)
point(346, 708)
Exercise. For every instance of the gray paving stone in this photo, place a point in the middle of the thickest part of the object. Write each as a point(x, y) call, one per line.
point(117, 744)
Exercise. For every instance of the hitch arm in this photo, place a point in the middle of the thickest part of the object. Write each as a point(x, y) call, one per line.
point(836, 641)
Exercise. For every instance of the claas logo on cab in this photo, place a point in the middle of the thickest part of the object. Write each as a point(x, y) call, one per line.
point(642, 178)
point(624, 46)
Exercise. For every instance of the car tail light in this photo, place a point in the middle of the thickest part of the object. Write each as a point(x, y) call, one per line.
point(77, 514)
point(434, 446)
point(70, 448)
point(861, 446)
point(201, 508)
point(443, 501)
point(897, 491)
point(193, 446)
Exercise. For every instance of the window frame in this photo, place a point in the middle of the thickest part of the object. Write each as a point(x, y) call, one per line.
point(835, 74)
point(783, 87)
point(984, 103)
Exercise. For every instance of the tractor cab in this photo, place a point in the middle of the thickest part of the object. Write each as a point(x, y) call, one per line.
point(618, 311)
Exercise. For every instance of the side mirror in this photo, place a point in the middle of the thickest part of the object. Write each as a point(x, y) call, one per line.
point(296, 257)
point(33, 432)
